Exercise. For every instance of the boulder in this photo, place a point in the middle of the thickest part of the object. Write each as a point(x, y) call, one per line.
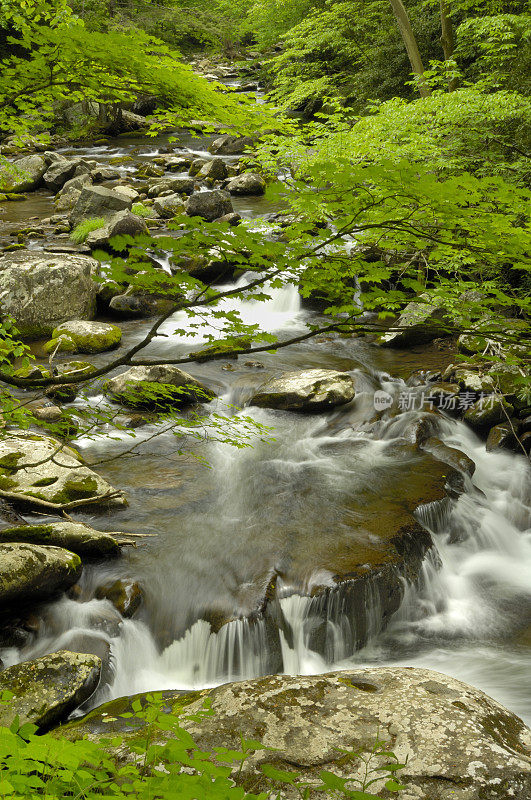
point(73, 536)
point(231, 145)
point(215, 170)
point(61, 480)
point(156, 386)
point(487, 412)
point(59, 172)
point(169, 206)
point(47, 690)
point(123, 223)
point(125, 595)
point(89, 337)
point(42, 290)
point(23, 175)
point(101, 174)
point(133, 304)
point(178, 163)
point(209, 205)
point(449, 455)
point(127, 191)
point(311, 390)
point(455, 741)
point(68, 196)
point(418, 323)
point(503, 436)
point(31, 572)
point(178, 185)
point(248, 183)
point(97, 201)
point(197, 165)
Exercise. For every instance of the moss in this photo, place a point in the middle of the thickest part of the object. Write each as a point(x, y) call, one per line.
point(6, 483)
point(61, 344)
point(76, 489)
point(46, 481)
point(97, 342)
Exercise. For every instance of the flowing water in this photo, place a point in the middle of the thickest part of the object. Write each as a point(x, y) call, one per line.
point(225, 525)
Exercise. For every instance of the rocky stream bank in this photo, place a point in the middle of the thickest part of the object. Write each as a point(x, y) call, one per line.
point(354, 566)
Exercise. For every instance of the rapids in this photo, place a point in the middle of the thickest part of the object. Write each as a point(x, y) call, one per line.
point(226, 524)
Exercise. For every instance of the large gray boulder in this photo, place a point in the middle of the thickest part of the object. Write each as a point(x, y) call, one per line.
point(124, 223)
point(215, 170)
point(47, 690)
point(66, 199)
point(80, 539)
point(61, 480)
point(169, 206)
point(177, 185)
point(31, 572)
point(312, 390)
point(455, 741)
point(247, 184)
point(42, 290)
point(231, 145)
point(209, 205)
point(97, 201)
point(156, 386)
point(60, 171)
point(418, 323)
point(23, 175)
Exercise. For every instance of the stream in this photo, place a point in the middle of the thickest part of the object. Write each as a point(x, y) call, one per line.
point(290, 507)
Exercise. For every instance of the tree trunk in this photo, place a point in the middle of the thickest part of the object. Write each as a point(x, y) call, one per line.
point(411, 44)
point(447, 39)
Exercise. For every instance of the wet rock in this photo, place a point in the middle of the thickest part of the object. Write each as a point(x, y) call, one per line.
point(503, 436)
point(23, 175)
point(176, 185)
point(127, 191)
point(106, 291)
point(30, 572)
point(125, 595)
point(169, 206)
point(101, 174)
point(47, 690)
point(88, 337)
point(231, 145)
point(232, 219)
point(178, 163)
point(215, 170)
point(472, 381)
point(449, 455)
point(48, 413)
point(97, 201)
point(418, 323)
point(487, 412)
point(40, 290)
point(132, 304)
point(197, 165)
point(455, 740)
point(156, 386)
point(123, 223)
point(247, 184)
point(62, 393)
point(209, 205)
point(72, 536)
point(61, 480)
point(312, 390)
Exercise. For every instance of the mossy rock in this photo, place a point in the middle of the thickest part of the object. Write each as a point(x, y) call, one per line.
point(61, 344)
point(73, 536)
point(87, 337)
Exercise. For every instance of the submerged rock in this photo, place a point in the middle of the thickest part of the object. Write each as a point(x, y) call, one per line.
point(457, 741)
point(87, 337)
point(61, 480)
point(157, 386)
point(73, 536)
point(30, 572)
point(47, 690)
point(311, 390)
point(42, 290)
